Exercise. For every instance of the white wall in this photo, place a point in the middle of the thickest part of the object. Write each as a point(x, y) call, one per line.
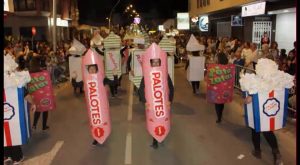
point(285, 34)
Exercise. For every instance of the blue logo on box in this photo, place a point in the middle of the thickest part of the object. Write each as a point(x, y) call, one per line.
point(9, 111)
point(271, 107)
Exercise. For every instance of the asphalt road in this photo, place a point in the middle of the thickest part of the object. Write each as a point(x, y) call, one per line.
point(194, 139)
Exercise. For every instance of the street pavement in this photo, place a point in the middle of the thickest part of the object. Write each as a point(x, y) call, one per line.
point(195, 138)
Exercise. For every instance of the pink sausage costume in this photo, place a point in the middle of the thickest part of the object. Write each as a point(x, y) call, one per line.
point(156, 93)
point(96, 97)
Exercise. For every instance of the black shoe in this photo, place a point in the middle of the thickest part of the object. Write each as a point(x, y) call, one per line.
point(154, 145)
point(34, 127)
point(94, 143)
point(257, 154)
point(45, 128)
point(277, 159)
point(218, 121)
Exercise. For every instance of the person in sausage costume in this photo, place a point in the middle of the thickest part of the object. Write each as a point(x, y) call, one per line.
point(96, 96)
point(156, 91)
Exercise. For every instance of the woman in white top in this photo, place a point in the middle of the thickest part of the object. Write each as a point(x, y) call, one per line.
point(274, 51)
point(254, 54)
point(247, 55)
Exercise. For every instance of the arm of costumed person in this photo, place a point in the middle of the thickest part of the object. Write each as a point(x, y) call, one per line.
point(129, 63)
point(248, 99)
point(171, 89)
point(187, 64)
point(107, 83)
point(141, 91)
point(29, 98)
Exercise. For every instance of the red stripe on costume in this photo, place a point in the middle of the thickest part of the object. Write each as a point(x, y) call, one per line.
point(7, 133)
point(272, 124)
point(272, 119)
point(4, 96)
point(271, 94)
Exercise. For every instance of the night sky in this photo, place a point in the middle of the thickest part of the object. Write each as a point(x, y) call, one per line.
point(94, 12)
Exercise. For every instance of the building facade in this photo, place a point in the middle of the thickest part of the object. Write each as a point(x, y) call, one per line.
point(221, 13)
point(23, 15)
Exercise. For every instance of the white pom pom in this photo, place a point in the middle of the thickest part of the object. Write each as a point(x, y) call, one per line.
point(267, 78)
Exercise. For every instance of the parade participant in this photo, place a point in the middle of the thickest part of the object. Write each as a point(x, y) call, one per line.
point(266, 104)
point(219, 107)
point(13, 153)
point(112, 56)
point(269, 136)
point(195, 63)
point(93, 69)
point(124, 55)
point(98, 44)
point(134, 62)
point(157, 111)
point(35, 68)
point(96, 96)
point(75, 60)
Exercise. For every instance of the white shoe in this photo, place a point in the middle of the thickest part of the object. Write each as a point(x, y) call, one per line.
point(8, 161)
point(18, 162)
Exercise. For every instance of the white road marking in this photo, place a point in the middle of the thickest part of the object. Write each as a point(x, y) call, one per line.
point(129, 117)
point(128, 148)
point(45, 158)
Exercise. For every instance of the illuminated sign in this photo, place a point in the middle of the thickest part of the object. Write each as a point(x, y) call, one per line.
point(60, 22)
point(203, 23)
point(6, 8)
point(161, 28)
point(254, 9)
point(183, 21)
point(236, 20)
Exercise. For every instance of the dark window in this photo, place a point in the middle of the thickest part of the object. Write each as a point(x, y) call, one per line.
point(45, 5)
point(41, 33)
point(204, 2)
point(7, 31)
point(197, 3)
point(208, 2)
point(200, 1)
point(24, 5)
